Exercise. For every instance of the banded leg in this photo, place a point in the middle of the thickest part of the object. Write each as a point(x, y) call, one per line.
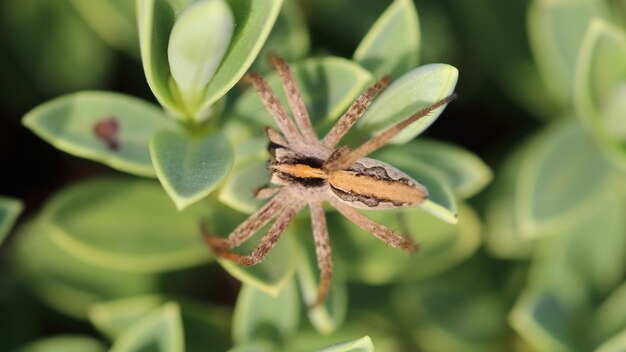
point(273, 105)
point(354, 112)
point(300, 113)
point(381, 139)
point(322, 251)
point(247, 228)
point(267, 242)
point(380, 231)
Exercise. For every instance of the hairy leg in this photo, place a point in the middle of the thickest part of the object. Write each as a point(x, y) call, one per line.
point(381, 139)
point(247, 228)
point(380, 231)
point(266, 192)
point(273, 105)
point(300, 113)
point(275, 137)
point(354, 112)
point(267, 242)
point(322, 251)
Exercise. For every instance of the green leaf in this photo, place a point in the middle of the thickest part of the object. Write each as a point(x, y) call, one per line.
point(204, 325)
point(114, 21)
point(560, 176)
point(364, 344)
point(254, 346)
point(259, 316)
point(442, 245)
point(407, 95)
point(459, 311)
point(599, 87)
point(568, 270)
point(156, 19)
point(441, 202)
point(616, 343)
point(253, 22)
point(392, 44)
point(113, 318)
point(64, 281)
point(10, 209)
point(239, 190)
point(111, 128)
point(502, 235)
point(161, 330)
point(288, 39)
point(64, 343)
point(327, 317)
point(556, 30)
point(59, 54)
point(271, 275)
point(127, 225)
point(463, 171)
point(190, 168)
point(199, 39)
point(610, 318)
point(328, 86)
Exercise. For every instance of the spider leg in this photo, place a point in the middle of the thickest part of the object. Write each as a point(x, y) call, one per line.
point(322, 251)
point(381, 139)
point(300, 113)
point(273, 105)
point(266, 192)
point(247, 228)
point(275, 137)
point(267, 242)
point(380, 231)
point(354, 112)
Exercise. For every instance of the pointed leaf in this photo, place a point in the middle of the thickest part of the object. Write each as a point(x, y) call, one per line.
point(328, 86)
point(161, 330)
point(190, 168)
point(561, 174)
point(114, 21)
point(64, 281)
point(271, 275)
point(288, 39)
point(10, 209)
point(64, 343)
point(464, 171)
point(363, 344)
point(156, 19)
point(111, 128)
point(197, 44)
point(441, 202)
point(253, 23)
point(113, 318)
point(126, 225)
point(616, 343)
point(599, 87)
point(442, 245)
point(327, 317)
point(407, 95)
point(259, 316)
point(392, 44)
point(556, 30)
point(239, 190)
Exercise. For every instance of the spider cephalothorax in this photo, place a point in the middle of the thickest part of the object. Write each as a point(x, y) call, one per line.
point(308, 171)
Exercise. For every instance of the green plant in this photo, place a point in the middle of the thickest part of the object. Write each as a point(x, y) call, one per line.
point(541, 100)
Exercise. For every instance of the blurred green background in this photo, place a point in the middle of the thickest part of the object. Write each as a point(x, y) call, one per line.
point(536, 262)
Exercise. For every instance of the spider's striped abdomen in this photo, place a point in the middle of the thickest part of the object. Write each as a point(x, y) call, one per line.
point(372, 184)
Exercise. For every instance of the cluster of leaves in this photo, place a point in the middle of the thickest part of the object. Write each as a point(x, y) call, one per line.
point(559, 200)
point(124, 253)
point(100, 249)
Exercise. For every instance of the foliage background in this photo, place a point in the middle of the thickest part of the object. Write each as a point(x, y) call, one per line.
point(548, 274)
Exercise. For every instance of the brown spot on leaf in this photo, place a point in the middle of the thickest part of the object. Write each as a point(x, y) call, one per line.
point(106, 130)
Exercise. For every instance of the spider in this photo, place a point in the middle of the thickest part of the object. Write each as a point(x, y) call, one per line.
point(309, 171)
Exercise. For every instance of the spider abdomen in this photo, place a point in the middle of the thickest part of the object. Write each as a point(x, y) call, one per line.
point(372, 184)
